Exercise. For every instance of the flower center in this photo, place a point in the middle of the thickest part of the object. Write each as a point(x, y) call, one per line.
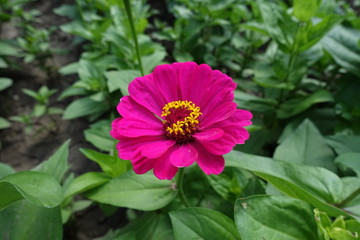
point(181, 120)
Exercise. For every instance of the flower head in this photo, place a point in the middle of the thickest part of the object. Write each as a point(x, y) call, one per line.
point(179, 114)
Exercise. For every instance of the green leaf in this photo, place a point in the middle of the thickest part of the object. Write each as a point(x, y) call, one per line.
point(57, 164)
point(8, 50)
point(23, 220)
point(5, 83)
point(279, 24)
point(231, 183)
point(119, 80)
point(38, 188)
point(83, 107)
point(85, 182)
point(202, 223)
point(280, 217)
point(350, 160)
point(304, 10)
point(254, 103)
point(4, 123)
point(150, 226)
point(314, 185)
point(5, 170)
point(310, 34)
point(3, 63)
point(98, 135)
point(152, 60)
point(342, 143)
point(306, 145)
point(342, 234)
point(70, 68)
point(298, 105)
point(111, 165)
point(143, 192)
point(342, 44)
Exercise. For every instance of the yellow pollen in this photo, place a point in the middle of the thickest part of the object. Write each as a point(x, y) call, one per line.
point(181, 120)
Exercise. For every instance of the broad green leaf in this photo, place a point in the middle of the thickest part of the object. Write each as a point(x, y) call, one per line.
point(84, 107)
point(306, 145)
point(8, 49)
point(5, 170)
point(5, 83)
point(119, 80)
point(229, 184)
point(3, 63)
point(38, 188)
point(254, 103)
point(23, 220)
point(343, 45)
point(70, 68)
point(343, 143)
point(111, 165)
point(4, 123)
point(350, 198)
point(152, 60)
point(67, 10)
point(304, 10)
point(314, 185)
point(350, 160)
point(150, 226)
point(85, 182)
point(98, 135)
point(280, 217)
point(57, 164)
point(298, 105)
point(143, 192)
point(202, 223)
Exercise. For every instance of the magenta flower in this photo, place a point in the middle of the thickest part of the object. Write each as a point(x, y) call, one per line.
point(179, 114)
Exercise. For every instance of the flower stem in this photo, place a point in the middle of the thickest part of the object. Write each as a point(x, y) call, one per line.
point(132, 26)
point(180, 186)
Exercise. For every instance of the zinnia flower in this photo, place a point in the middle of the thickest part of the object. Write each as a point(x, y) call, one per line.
point(179, 114)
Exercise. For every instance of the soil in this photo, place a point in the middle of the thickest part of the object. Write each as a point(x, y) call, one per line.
point(24, 149)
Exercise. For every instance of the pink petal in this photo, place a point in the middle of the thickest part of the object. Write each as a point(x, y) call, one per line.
point(185, 73)
point(142, 164)
point(217, 114)
point(128, 148)
point(219, 146)
point(163, 169)
point(220, 97)
point(156, 149)
point(240, 134)
point(209, 134)
point(183, 156)
point(144, 91)
point(219, 83)
point(135, 128)
point(209, 163)
point(114, 128)
point(234, 125)
point(193, 80)
point(166, 79)
point(129, 108)
point(243, 115)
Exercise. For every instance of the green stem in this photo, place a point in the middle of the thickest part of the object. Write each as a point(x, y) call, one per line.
point(132, 26)
point(349, 198)
point(180, 186)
